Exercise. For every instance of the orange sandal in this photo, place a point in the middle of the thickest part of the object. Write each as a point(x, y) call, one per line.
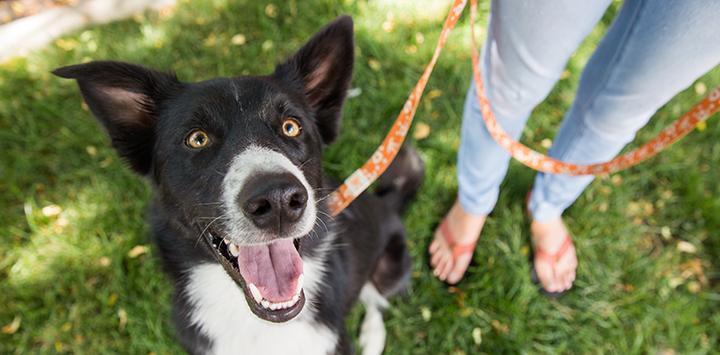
point(552, 259)
point(457, 249)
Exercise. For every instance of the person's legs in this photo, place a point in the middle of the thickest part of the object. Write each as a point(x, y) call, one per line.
point(528, 45)
point(653, 50)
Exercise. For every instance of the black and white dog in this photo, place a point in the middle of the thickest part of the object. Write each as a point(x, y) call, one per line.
point(238, 215)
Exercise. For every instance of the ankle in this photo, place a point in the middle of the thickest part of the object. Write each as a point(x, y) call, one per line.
point(466, 226)
point(548, 230)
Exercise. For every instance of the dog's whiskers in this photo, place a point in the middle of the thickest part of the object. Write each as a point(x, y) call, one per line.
point(206, 228)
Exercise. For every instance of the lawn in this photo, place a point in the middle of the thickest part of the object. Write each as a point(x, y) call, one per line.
point(77, 273)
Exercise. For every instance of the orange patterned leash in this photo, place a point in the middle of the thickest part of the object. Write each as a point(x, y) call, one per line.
point(537, 161)
point(356, 183)
point(361, 179)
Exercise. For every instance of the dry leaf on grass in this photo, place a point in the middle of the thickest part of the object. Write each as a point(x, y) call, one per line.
point(51, 210)
point(686, 247)
point(122, 319)
point(477, 336)
point(426, 313)
point(137, 251)
point(422, 131)
point(13, 327)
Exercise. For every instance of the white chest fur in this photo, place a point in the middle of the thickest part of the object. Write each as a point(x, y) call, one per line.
point(221, 312)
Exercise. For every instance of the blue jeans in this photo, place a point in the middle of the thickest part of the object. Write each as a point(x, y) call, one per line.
point(653, 50)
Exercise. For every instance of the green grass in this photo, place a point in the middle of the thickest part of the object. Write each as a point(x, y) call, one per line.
point(69, 279)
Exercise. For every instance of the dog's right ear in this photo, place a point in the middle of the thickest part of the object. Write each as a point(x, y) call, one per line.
point(125, 99)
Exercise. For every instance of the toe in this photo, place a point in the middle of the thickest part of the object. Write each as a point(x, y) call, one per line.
point(434, 246)
point(435, 258)
point(458, 270)
point(439, 265)
point(447, 267)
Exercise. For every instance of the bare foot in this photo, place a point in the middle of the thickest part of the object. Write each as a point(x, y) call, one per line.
point(465, 228)
point(549, 237)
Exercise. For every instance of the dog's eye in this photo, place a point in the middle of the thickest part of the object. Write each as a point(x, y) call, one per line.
point(197, 139)
point(291, 127)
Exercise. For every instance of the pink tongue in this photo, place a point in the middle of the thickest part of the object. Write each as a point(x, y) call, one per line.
point(273, 268)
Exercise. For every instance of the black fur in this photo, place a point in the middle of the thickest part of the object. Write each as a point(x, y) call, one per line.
point(148, 115)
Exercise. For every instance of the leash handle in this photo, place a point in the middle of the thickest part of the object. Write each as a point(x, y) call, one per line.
point(361, 179)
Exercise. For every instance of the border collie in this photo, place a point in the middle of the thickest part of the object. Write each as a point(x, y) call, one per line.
point(239, 216)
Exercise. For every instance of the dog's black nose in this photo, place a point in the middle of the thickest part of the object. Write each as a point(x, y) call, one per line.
point(273, 201)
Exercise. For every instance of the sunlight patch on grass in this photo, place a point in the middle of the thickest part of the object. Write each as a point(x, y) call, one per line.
point(69, 236)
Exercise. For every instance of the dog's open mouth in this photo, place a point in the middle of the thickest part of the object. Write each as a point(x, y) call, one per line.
point(270, 275)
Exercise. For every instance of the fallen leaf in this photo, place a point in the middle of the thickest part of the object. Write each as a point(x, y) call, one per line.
point(137, 251)
point(500, 327)
point(546, 143)
point(666, 232)
point(122, 319)
point(477, 336)
point(388, 25)
point(434, 93)
point(91, 150)
point(13, 327)
point(51, 210)
point(426, 314)
point(268, 45)
point(686, 247)
point(354, 92)
point(66, 44)
point(422, 131)
point(104, 261)
point(701, 126)
point(210, 40)
point(603, 207)
point(674, 282)
point(411, 49)
point(238, 39)
point(112, 299)
point(419, 38)
point(271, 10)
point(700, 88)
point(374, 64)
point(694, 287)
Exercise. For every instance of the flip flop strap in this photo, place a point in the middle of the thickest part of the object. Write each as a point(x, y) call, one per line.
point(554, 257)
point(457, 249)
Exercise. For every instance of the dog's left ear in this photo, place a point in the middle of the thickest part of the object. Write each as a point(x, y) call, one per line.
point(322, 70)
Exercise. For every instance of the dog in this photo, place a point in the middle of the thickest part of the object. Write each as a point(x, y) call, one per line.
point(239, 212)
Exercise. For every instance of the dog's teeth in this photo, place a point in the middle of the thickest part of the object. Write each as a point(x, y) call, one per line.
point(255, 293)
point(234, 249)
point(295, 299)
point(299, 284)
point(265, 303)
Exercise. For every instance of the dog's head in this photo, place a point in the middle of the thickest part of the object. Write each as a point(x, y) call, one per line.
point(238, 158)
